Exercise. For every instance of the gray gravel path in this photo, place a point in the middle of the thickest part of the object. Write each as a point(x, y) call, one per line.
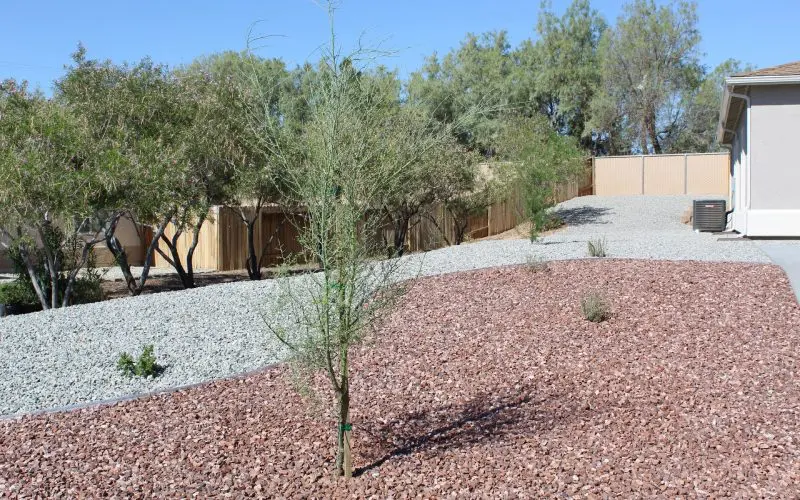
point(63, 357)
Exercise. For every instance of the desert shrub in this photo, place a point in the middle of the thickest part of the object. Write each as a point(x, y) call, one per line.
point(537, 264)
point(552, 222)
point(18, 293)
point(540, 160)
point(143, 366)
point(597, 248)
point(595, 307)
point(86, 289)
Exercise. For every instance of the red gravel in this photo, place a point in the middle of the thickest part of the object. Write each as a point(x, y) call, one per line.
point(487, 383)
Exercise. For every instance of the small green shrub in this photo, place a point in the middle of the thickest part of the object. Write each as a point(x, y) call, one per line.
point(552, 222)
point(18, 293)
point(597, 248)
point(144, 366)
point(536, 264)
point(595, 307)
point(86, 290)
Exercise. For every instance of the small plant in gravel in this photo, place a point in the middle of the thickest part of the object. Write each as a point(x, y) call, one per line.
point(595, 307)
point(144, 366)
point(537, 264)
point(597, 248)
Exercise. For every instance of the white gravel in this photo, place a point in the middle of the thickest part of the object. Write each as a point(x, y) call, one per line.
point(64, 357)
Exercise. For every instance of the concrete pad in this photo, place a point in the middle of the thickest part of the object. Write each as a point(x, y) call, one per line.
point(786, 255)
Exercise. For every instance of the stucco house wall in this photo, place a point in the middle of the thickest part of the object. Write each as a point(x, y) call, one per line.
point(775, 137)
point(128, 237)
point(775, 177)
point(765, 181)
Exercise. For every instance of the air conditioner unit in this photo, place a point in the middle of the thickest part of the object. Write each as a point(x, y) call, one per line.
point(709, 215)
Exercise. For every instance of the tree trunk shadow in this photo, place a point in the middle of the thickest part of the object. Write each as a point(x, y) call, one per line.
point(482, 419)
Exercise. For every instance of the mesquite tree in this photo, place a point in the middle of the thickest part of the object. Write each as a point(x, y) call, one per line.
point(254, 177)
point(650, 66)
point(426, 179)
point(340, 167)
point(53, 183)
point(136, 114)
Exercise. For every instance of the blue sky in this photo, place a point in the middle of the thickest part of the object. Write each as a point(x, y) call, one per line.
point(36, 38)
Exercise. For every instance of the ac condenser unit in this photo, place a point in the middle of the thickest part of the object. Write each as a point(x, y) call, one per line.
point(709, 215)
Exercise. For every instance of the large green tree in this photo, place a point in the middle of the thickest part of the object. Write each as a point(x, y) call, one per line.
point(138, 115)
point(560, 70)
point(476, 76)
point(650, 64)
point(698, 132)
point(54, 182)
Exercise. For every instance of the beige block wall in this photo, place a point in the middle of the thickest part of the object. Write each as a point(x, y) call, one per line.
point(707, 174)
point(618, 175)
point(663, 174)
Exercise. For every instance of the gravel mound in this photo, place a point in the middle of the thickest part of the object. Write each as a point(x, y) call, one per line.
point(63, 357)
point(484, 384)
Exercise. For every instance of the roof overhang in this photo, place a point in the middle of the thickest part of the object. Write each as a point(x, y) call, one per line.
point(732, 106)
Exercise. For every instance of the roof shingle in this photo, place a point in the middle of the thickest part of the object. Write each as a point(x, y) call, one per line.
point(788, 69)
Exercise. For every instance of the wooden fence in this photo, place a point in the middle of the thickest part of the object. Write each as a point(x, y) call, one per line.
point(705, 173)
point(222, 242)
point(223, 238)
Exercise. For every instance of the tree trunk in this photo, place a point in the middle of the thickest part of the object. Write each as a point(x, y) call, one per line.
point(148, 256)
point(73, 275)
point(52, 266)
point(121, 257)
point(400, 232)
point(176, 258)
point(253, 264)
point(37, 286)
point(650, 132)
point(190, 252)
point(344, 460)
point(461, 230)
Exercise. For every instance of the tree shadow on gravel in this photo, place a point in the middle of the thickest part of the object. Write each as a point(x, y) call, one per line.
point(580, 216)
point(482, 419)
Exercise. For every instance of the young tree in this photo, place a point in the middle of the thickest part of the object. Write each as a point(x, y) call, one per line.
point(649, 65)
point(342, 166)
point(538, 159)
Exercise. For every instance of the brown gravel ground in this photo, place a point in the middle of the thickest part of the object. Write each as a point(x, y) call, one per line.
point(483, 384)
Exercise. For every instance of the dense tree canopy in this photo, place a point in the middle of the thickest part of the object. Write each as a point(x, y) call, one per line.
point(650, 66)
point(162, 145)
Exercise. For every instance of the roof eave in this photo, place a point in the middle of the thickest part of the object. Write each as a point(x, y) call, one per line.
point(746, 81)
point(763, 80)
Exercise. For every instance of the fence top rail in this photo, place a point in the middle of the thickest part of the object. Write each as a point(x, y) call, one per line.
point(721, 153)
